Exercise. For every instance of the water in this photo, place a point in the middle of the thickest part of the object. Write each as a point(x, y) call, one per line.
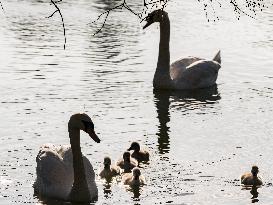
point(200, 141)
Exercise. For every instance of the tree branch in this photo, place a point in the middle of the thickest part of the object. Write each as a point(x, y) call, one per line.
point(153, 3)
point(150, 5)
point(244, 8)
point(60, 13)
point(238, 10)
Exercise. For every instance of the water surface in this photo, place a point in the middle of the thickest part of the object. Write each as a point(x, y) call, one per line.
point(200, 141)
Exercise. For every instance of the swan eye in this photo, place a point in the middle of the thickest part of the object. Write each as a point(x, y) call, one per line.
point(88, 125)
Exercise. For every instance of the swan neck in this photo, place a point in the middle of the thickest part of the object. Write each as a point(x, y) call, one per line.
point(164, 43)
point(79, 189)
point(162, 74)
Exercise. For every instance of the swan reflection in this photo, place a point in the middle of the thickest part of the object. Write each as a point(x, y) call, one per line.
point(183, 100)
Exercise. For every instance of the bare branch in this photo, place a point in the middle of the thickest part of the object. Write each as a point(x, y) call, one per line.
point(107, 14)
point(60, 13)
point(52, 14)
point(251, 5)
point(147, 6)
point(247, 7)
point(238, 10)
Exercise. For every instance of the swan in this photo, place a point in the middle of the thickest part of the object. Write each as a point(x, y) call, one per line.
point(134, 179)
point(109, 170)
point(251, 178)
point(138, 154)
point(62, 171)
point(127, 163)
point(186, 73)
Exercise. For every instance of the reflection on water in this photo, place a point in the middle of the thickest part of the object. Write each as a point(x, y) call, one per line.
point(107, 189)
point(136, 191)
point(253, 191)
point(118, 44)
point(255, 194)
point(181, 100)
point(58, 202)
point(162, 101)
point(200, 99)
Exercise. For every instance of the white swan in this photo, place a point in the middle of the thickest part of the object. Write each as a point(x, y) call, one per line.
point(186, 73)
point(62, 171)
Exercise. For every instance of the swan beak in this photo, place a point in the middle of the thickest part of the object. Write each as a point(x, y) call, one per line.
point(147, 24)
point(93, 135)
point(130, 149)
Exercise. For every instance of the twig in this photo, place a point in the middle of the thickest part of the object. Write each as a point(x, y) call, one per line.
point(60, 13)
point(238, 10)
point(152, 4)
point(251, 5)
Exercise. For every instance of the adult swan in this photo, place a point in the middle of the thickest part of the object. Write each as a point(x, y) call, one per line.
point(62, 171)
point(186, 73)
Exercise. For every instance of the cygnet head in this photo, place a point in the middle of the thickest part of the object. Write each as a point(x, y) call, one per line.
point(136, 172)
point(107, 161)
point(255, 170)
point(135, 146)
point(155, 16)
point(82, 121)
point(126, 156)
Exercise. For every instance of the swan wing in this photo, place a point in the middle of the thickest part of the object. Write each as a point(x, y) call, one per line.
point(199, 74)
point(179, 66)
point(66, 152)
point(90, 177)
point(54, 177)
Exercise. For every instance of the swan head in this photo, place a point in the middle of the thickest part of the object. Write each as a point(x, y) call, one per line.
point(126, 156)
point(135, 146)
point(82, 121)
point(136, 172)
point(255, 170)
point(155, 16)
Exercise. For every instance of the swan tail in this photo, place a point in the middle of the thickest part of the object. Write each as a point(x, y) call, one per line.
point(217, 57)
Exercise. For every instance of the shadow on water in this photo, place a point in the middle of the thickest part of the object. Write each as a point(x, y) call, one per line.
point(182, 100)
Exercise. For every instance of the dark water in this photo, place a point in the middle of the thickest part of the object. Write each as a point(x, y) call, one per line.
point(200, 141)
